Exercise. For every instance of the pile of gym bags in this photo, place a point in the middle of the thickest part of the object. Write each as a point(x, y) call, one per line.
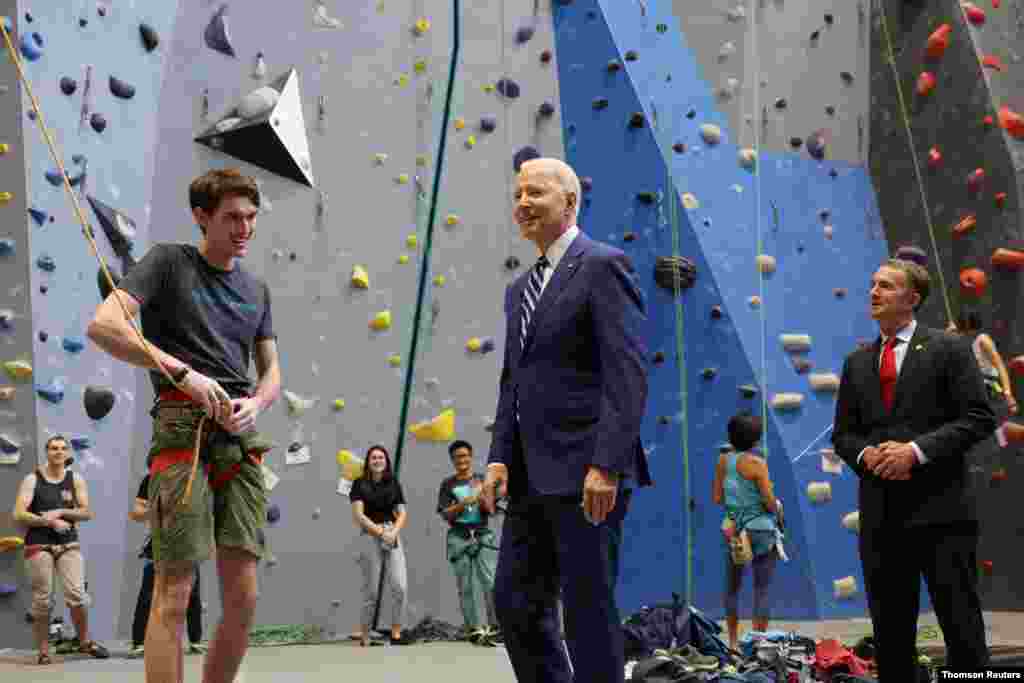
point(676, 643)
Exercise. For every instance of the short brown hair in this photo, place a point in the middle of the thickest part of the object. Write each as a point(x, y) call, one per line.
point(917, 277)
point(207, 191)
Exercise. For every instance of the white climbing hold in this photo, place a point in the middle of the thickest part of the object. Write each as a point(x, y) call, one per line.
point(748, 159)
point(845, 587)
point(711, 134)
point(824, 381)
point(297, 405)
point(227, 124)
point(795, 342)
point(819, 491)
point(321, 19)
point(828, 232)
point(730, 86)
point(787, 400)
point(851, 521)
point(727, 50)
point(737, 13)
point(258, 102)
point(766, 264)
point(259, 70)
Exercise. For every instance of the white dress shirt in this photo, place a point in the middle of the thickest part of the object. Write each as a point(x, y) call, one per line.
point(555, 253)
point(904, 334)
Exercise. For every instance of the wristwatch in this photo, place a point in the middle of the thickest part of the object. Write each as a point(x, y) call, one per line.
point(180, 375)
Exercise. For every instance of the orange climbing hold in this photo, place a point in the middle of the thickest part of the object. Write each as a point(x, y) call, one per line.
point(934, 157)
point(966, 224)
point(999, 475)
point(925, 83)
point(1011, 122)
point(975, 14)
point(993, 62)
point(1008, 259)
point(938, 42)
point(973, 281)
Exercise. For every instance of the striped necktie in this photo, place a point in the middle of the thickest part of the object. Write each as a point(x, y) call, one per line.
point(531, 295)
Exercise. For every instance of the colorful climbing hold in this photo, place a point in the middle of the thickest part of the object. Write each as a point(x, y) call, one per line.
point(508, 88)
point(993, 62)
point(411, 240)
point(815, 145)
point(149, 36)
point(216, 35)
point(1011, 122)
point(524, 34)
point(975, 14)
point(72, 344)
point(52, 392)
point(451, 220)
point(98, 122)
point(339, 404)
point(381, 321)
point(786, 401)
point(421, 26)
point(360, 278)
point(524, 155)
point(765, 264)
point(690, 202)
point(394, 360)
point(912, 253)
point(926, 82)
point(674, 273)
point(710, 133)
point(546, 109)
point(545, 56)
point(973, 281)
point(68, 85)
point(473, 344)
point(637, 120)
point(1000, 199)
point(439, 280)
point(488, 124)
point(440, 428)
point(976, 180)
point(46, 262)
point(98, 401)
point(1008, 259)
point(599, 103)
point(934, 157)
point(31, 46)
point(938, 42)
point(748, 159)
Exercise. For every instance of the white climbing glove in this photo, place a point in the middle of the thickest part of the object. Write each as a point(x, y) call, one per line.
point(209, 394)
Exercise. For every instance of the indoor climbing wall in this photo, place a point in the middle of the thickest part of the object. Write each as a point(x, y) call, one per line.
point(758, 226)
point(98, 85)
point(947, 145)
point(342, 242)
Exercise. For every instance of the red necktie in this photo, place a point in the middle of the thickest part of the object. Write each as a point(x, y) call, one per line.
point(887, 372)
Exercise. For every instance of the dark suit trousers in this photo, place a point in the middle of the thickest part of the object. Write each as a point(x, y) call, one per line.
point(549, 549)
point(194, 615)
point(894, 559)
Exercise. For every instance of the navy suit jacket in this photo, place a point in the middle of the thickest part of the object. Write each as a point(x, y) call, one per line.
point(580, 380)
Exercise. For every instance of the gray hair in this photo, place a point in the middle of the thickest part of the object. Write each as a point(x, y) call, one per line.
point(566, 177)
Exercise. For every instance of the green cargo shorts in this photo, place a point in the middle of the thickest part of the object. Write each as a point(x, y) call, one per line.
point(227, 507)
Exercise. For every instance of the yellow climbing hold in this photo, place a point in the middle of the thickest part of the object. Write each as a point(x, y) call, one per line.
point(11, 543)
point(5, 197)
point(411, 241)
point(380, 158)
point(473, 344)
point(402, 80)
point(4, 148)
point(360, 278)
point(381, 321)
point(402, 179)
point(452, 219)
point(339, 404)
point(441, 428)
point(394, 360)
point(421, 159)
point(460, 123)
point(422, 26)
point(18, 369)
point(471, 142)
point(403, 259)
point(489, 88)
point(351, 465)
point(439, 281)
point(690, 202)
point(420, 67)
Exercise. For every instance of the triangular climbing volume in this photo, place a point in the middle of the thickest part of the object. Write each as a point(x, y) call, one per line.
point(267, 129)
point(118, 227)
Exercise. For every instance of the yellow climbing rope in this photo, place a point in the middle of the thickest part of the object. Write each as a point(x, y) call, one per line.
point(87, 231)
point(917, 164)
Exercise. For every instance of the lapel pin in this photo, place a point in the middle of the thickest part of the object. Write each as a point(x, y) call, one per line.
point(918, 347)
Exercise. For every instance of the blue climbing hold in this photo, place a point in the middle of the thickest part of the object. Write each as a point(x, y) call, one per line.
point(524, 33)
point(38, 215)
point(508, 88)
point(6, 320)
point(216, 35)
point(54, 178)
point(81, 443)
point(486, 345)
point(98, 122)
point(72, 344)
point(8, 446)
point(121, 89)
point(52, 392)
point(32, 46)
point(6, 247)
point(273, 514)
point(7, 589)
point(68, 85)
point(488, 124)
point(546, 109)
point(46, 263)
point(524, 155)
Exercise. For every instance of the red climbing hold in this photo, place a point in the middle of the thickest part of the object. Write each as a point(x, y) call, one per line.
point(1017, 365)
point(1000, 200)
point(999, 475)
point(965, 226)
point(973, 281)
point(925, 83)
point(934, 157)
point(975, 14)
point(1008, 259)
point(1011, 122)
point(996, 3)
point(988, 121)
point(938, 42)
point(986, 566)
point(976, 180)
point(993, 62)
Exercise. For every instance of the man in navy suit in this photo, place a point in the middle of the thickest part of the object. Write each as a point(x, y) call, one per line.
point(566, 441)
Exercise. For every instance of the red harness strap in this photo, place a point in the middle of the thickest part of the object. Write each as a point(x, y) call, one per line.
point(172, 456)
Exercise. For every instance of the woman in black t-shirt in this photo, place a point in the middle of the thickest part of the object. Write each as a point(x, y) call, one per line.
point(378, 509)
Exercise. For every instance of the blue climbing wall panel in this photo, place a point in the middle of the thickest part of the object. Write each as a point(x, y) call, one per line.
point(733, 215)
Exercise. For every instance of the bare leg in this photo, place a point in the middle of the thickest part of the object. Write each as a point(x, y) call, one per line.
point(237, 570)
point(164, 658)
point(733, 622)
point(80, 617)
point(41, 629)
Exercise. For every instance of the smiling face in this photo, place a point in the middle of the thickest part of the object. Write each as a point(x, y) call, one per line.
point(892, 298)
point(377, 462)
point(462, 460)
point(228, 229)
point(544, 208)
point(57, 453)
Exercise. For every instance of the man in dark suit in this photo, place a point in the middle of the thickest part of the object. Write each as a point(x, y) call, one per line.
point(909, 409)
point(566, 441)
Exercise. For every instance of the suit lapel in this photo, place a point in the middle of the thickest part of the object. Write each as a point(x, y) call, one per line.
point(516, 313)
point(567, 267)
point(911, 362)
